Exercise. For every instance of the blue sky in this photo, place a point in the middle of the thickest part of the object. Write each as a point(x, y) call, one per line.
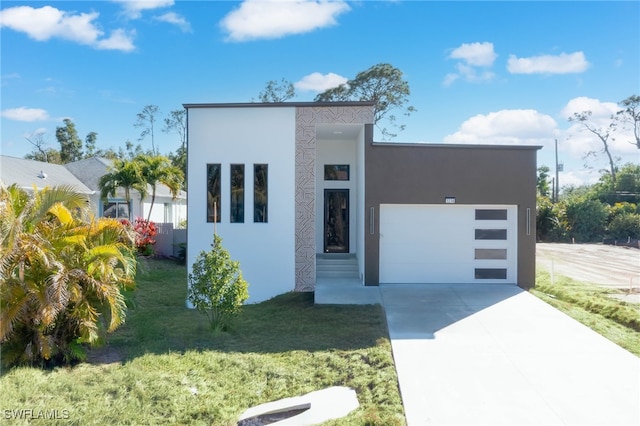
point(479, 72)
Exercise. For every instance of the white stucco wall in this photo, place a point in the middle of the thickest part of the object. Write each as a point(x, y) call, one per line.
point(246, 135)
point(177, 207)
point(336, 152)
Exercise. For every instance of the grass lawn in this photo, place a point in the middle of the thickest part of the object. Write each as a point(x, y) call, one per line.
point(616, 320)
point(165, 366)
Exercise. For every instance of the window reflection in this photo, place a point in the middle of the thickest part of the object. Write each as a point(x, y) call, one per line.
point(260, 193)
point(237, 193)
point(213, 193)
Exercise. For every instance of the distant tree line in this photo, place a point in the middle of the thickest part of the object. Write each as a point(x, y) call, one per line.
point(72, 148)
point(607, 209)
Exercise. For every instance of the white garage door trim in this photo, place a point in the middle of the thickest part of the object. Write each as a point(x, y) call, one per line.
point(440, 243)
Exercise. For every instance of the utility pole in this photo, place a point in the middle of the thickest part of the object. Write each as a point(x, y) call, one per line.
point(557, 181)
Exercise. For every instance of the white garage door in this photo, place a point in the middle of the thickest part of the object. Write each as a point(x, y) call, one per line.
point(448, 243)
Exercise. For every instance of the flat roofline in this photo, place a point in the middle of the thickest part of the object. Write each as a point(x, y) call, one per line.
point(279, 104)
point(455, 145)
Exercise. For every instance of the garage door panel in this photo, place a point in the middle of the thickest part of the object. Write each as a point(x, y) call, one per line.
point(399, 231)
point(414, 253)
point(439, 244)
point(427, 272)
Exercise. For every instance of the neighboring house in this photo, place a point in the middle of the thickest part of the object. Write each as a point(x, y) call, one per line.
point(29, 174)
point(294, 185)
point(84, 175)
point(165, 208)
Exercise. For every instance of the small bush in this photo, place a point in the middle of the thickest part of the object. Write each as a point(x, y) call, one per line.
point(216, 286)
point(145, 233)
point(626, 225)
point(586, 219)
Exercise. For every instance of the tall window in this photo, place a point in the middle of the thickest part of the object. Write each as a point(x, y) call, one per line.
point(237, 193)
point(260, 193)
point(213, 192)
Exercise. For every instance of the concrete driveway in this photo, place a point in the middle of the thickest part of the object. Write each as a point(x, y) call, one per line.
point(496, 355)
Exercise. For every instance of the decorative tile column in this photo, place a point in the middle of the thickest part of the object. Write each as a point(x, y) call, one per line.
point(306, 120)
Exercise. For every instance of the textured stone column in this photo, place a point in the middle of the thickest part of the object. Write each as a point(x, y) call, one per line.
point(306, 120)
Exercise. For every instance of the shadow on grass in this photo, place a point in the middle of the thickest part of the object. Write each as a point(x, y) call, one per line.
point(159, 322)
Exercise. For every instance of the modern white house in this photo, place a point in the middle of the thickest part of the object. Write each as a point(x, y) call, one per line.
point(290, 186)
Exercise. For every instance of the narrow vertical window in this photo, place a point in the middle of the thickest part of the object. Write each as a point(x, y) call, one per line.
point(213, 192)
point(237, 193)
point(260, 193)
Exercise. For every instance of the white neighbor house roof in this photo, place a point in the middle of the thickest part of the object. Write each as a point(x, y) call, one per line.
point(29, 173)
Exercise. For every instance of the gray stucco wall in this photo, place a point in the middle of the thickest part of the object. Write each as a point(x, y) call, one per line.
point(473, 174)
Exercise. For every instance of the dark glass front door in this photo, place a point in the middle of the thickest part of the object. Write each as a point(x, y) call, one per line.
point(336, 221)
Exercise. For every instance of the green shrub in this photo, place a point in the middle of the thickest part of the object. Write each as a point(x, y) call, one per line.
point(549, 227)
point(586, 219)
point(64, 274)
point(216, 286)
point(626, 225)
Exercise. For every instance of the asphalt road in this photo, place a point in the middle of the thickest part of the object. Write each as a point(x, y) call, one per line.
point(609, 266)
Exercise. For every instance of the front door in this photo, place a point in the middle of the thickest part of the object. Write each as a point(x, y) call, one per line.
point(336, 221)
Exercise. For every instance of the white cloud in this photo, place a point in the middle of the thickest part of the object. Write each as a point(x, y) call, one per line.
point(25, 114)
point(578, 141)
point(260, 19)
point(599, 110)
point(475, 54)
point(8, 78)
point(472, 74)
point(175, 19)
point(473, 58)
point(579, 177)
point(47, 22)
point(449, 79)
point(316, 82)
point(133, 8)
point(119, 40)
point(506, 127)
point(531, 127)
point(548, 64)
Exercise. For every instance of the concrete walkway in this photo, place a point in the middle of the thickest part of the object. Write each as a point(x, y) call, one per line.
point(496, 355)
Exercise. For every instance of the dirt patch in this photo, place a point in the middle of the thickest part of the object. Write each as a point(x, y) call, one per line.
point(104, 355)
point(604, 265)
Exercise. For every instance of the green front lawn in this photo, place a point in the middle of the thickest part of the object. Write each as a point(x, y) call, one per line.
point(593, 306)
point(165, 366)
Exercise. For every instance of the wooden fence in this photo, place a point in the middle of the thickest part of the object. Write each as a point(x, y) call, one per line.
point(169, 240)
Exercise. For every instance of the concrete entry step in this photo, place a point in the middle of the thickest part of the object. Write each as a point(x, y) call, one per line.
point(337, 265)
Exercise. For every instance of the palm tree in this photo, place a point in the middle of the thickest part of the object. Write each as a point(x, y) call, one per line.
point(63, 275)
point(156, 170)
point(126, 175)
